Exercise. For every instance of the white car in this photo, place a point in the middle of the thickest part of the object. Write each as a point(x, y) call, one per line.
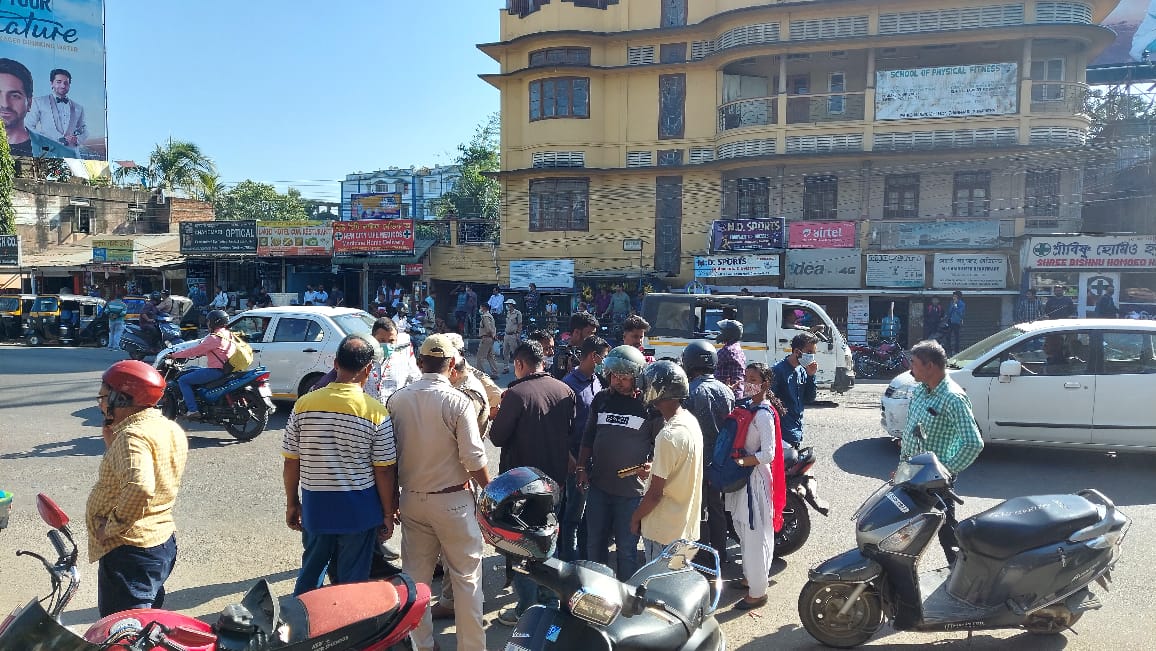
point(1089, 382)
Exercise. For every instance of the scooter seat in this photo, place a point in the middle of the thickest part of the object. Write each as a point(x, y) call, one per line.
point(1025, 523)
point(332, 607)
point(220, 382)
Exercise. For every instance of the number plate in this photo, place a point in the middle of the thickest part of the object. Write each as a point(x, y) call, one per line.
point(265, 391)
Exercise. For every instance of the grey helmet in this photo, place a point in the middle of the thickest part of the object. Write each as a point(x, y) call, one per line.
point(699, 355)
point(625, 360)
point(664, 380)
point(730, 331)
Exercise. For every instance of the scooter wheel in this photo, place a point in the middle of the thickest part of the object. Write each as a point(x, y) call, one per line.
point(819, 606)
point(796, 526)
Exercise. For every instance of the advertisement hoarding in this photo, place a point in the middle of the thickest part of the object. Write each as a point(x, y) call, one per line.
point(1134, 22)
point(735, 266)
point(969, 271)
point(10, 251)
point(1133, 252)
point(114, 250)
point(946, 91)
point(390, 236)
point(375, 205)
point(64, 112)
point(545, 274)
point(896, 270)
point(948, 235)
point(822, 235)
point(746, 234)
point(289, 239)
point(823, 269)
point(215, 238)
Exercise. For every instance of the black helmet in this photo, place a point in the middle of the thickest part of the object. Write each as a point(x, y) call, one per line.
point(625, 360)
point(730, 331)
point(699, 356)
point(216, 319)
point(664, 380)
point(155, 297)
point(516, 513)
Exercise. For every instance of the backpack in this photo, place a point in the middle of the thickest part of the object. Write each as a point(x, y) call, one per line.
point(242, 355)
point(722, 473)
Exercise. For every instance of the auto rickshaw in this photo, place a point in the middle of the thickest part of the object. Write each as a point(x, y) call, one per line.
point(14, 309)
point(69, 320)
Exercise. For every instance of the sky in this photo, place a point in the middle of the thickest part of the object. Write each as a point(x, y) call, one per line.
point(300, 93)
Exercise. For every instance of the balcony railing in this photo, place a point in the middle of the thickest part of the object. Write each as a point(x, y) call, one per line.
point(801, 109)
point(477, 232)
point(1066, 97)
point(758, 112)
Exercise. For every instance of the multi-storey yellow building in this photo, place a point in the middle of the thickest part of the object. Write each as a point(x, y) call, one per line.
point(925, 137)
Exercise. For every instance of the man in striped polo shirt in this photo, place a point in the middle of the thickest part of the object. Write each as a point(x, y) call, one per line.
point(340, 456)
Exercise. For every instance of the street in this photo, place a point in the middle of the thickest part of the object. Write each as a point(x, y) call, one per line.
point(231, 530)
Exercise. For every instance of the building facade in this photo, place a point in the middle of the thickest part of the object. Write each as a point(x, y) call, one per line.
point(418, 188)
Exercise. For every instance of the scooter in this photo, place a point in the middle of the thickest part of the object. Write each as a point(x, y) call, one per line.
point(241, 401)
point(1026, 563)
point(802, 491)
point(369, 616)
point(667, 604)
point(139, 344)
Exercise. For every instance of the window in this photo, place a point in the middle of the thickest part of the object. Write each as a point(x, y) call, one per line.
point(820, 197)
point(560, 97)
point(669, 157)
point(431, 186)
point(1049, 70)
point(560, 56)
point(1042, 193)
point(836, 83)
point(379, 186)
point(294, 330)
point(901, 196)
point(1129, 353)
point(972, 193)
point(747, 198)
point(674, 13)
point(559, 205)
point(672, 53)
point(1057, 353)
point(252, 328)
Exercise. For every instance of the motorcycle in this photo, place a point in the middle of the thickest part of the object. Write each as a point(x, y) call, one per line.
point(1027, 563)
point(667, 604)
point(886, 357)
point(370, 616)
point(139, 343)
point(241, 401)
point(802, 492)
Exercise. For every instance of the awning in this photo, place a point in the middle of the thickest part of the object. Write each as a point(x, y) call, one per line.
point(734, 289)
point(152, 252)
point(420, 248)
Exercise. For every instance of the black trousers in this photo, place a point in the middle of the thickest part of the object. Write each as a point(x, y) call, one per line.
point(947, 533)
point(713, 528)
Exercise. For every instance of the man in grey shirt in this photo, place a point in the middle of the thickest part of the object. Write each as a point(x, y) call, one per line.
point(710, 401)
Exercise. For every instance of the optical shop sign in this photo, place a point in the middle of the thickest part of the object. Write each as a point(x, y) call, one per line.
point(1091, 252)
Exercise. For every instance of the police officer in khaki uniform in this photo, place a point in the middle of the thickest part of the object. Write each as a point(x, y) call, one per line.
point(513, 332)
point(488, 333)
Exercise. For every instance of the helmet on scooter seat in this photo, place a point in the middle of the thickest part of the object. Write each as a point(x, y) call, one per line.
point(155, 297)
point(729, 331)
point(216, 319)
point(664, 380)
point(625, 360)
point(699, 356)
point(516, 513)
point(133, 383)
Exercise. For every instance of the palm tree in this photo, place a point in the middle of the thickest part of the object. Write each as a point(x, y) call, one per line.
point(177, 166)
point(210, 188)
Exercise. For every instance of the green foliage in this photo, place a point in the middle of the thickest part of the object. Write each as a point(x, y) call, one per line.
point(176, 166)
point(7, 186)
point(259, 201)
point(476, 196)
point(1117, 106)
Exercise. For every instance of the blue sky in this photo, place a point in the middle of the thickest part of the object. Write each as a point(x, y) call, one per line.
point(297, 92)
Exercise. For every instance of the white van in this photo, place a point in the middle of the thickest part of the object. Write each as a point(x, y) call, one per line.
point(769, 324)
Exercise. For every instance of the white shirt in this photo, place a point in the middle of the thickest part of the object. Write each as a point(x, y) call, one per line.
point(220, 301)
point(321, 296)
point(309, 297)
point(497, 303)
point(395, 371)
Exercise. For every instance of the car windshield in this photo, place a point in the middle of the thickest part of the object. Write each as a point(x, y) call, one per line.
point(354, 323)
point(974, 352)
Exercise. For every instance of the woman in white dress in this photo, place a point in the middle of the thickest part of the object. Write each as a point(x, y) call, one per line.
point(751, 507)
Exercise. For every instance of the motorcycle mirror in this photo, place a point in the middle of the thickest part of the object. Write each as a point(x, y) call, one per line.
point(53, 515)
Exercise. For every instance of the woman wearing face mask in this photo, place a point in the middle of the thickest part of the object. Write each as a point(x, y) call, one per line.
point(794, 386)
point(752, 507)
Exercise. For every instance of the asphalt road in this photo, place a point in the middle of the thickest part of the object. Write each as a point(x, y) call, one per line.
point(231, 531)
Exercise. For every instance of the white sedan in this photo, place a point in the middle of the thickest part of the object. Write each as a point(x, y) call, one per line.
point(1088, 382)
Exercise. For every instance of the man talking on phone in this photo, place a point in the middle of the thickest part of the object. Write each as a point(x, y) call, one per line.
point(940, 420)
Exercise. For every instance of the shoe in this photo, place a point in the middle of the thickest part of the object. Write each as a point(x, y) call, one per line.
point(439, 571)
point(747, 604)
point(193, 415)
point(508, 617)
point(441, 611)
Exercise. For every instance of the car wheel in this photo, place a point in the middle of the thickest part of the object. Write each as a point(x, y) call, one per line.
point(307, 383)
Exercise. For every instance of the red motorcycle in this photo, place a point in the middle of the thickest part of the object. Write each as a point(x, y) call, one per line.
point(370, 616)
point(885, 357)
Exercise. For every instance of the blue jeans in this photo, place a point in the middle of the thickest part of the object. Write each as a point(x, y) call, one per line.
point(527, 591)
point(115, 332)
point(191, 380)
point(346, 556)
point(608, 514)
point(134, 577)
point(572, 538)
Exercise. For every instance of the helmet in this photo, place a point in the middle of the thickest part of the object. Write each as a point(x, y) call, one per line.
point(155, 296)
point(216, 319)
point(625, 360)
point(166, 292)
point(699, 356)
point(664, 380)
point(516, 513)
point(730, 331)
point(133, 383)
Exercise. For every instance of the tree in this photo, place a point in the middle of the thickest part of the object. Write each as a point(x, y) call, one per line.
point(476, 196)
point(7, 185)
point(177, 166)
point(210, 188)
point(259, 201)
point(1115, 106)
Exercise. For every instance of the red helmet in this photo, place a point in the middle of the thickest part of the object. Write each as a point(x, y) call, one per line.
point(133, 383)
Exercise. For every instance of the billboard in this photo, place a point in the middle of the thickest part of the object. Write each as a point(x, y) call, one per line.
point(734, 266)
point(822, 235)
point(947, 91)
point(213, 238)
point(823, 269)
point(281, 239)
point(970, 271)
point(61, 115)
point(896, 270)
point(1133, 252)
point(545, 274)
point(391, 236)
point(114, 250)
point(977, 234)
point(10, 251)
point(1134, 22)
point(746, 234)
point(375, 205)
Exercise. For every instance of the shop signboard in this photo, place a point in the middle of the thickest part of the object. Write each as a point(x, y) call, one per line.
point(10, 251)
point(545, 274)
point(858, 318)
point(822, 235)
point(746, 235)
point(969, 271)
point(412, 269)
point(1090, 252)
point(896, 270)
point(114, 250)
point(823, 269)
point(735, 266)
point(980, 234)
point(389, 236)
point(375, 205)
point(294, 239)
point(947, 91)
point(216, 238)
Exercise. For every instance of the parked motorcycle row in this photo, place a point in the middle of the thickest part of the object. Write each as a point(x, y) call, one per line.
point(883, 358)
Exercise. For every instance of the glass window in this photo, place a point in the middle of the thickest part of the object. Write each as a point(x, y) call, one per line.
point(1129, 353)
point(972, 194)
point(1055, 353)
point(981, 348)
point(357, 323)
point(252, 328)
point(836, 83)
point(901, 196)
point(315, 332)
point(560, 56)
point(289, 329)
point(559, 204)
point(1048, 70)
point(9, 303)
point(46, 304)
point(559, 97)
point(747, 198)
point(820, 197)
point(1042, 193)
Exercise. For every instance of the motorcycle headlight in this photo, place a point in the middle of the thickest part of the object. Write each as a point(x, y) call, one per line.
point(594, 608)
point(904, 472)
point(901, 540)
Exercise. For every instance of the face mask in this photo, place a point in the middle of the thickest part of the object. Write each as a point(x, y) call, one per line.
point(752, 388)
point(387, 350)
point(806, 358)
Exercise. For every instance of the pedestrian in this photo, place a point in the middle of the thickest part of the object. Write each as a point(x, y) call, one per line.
point(617, 436)
point(117, 309)
point(955, 315)
point(1106, 306)
point(487, 334)
point(620, 308)
point(710, 401)
point(513, 333)
point(471, 309)
point(336, 297)
point(309, 297)
point(532, 299)
point(585, 382)
point(497, 301)
point(551, 314)
point(582, 325)
point(339, 470)
point(794, 386)
point(398, 366)
point(940, 420)
point(602, 304)
point(321, 297)
point(634, 330)
point(460, 298)
point(532, 428)
point(752, 507)
point(440, 451)
point(670, 507)
point(263, 299)
point(1059, 305)
point(546, 339)
point(1028, 307)
point(732, 361)
point(129, 514)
